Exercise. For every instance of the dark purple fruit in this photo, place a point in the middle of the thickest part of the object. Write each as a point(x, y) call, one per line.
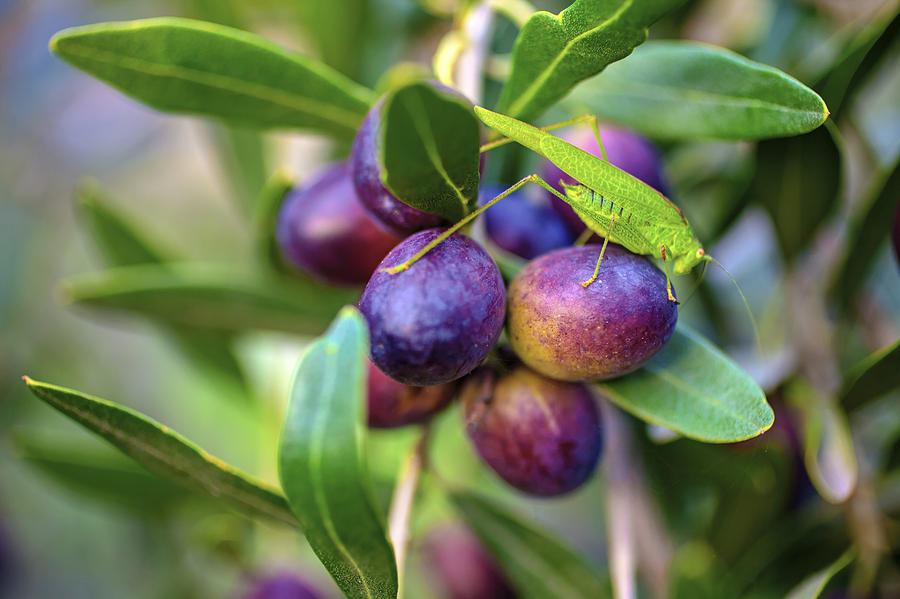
point(461, 567)
point(626, 150)
point(436, 321)
point(574, 333)
point(524, 227)
point(393, 404)
point(380, 202)
point(323, 230)
point(540, 435)
point(281, 586)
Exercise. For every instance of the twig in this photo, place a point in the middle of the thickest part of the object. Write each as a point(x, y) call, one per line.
point(636, 535)
point(401, 503)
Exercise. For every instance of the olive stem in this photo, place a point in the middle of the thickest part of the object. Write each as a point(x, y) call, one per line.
point(637, 536)
point(402, 502)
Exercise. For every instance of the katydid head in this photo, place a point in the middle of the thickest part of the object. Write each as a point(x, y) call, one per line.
point(687, 260)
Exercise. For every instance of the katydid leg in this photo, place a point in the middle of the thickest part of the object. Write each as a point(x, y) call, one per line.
point(534, 178)
point(585, 118)
point(602, 251)
point(668, 280)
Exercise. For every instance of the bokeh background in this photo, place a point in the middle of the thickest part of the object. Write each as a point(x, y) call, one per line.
point(78, 520)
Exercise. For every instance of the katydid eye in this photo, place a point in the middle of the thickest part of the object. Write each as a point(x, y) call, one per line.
point(700, 253)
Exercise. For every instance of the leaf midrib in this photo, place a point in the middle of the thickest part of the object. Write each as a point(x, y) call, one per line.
point(208, 485)
point(697, 96)
point(316, 450)
point(669, 377)
point(531, 90)
point(420, 122)
point(248, 89)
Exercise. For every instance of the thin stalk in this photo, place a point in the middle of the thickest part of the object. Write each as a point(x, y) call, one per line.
point(402, 502)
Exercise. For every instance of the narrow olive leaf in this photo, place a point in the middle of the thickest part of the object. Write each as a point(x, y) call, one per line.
point(595, 173)
point(537, 563)
point(429, 149)
point(211, 296)
point(828, 451)
point(322, 467)
point(688, 90)
point(105, 476)
point(194, 67)
point(338, 30)
point(555, 52)
point(812, 587)
point(123, 245)
point(871, 378)
point(119, 240)
point(242, 155)
point(166, 453)
point(842, 79)
point(867, 232)
point(797, 181)
point(694, 389)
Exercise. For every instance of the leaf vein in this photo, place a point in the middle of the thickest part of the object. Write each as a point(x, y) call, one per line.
point(223, 82)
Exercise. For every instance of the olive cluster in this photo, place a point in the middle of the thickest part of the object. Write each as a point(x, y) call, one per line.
point(533, 421)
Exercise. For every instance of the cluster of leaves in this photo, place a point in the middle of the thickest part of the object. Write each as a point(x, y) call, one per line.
point(675, 90)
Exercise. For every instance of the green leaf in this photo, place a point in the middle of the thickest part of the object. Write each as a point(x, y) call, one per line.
point(867, 47)
point(337, 28)
point(122, 245)
point(537, 563)
point(211, 296)
point(242, 157)
point(165, 452)
point(876, 375)
point(797, 181)
point(813, 586)
point(195, 67)
point(322, 466)
point(107, 476)
point(868, 229)
point(118, 240)
point(429, 149)
point(589, 170)
point(554, 52)
point(688, 90)
point(828, 451)
point(694, 389)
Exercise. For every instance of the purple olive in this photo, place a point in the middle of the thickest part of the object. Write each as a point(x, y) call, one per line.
point(393, 404)
point(524, 227)
point(436, 321)
point(380, 202)
point(461, 567)
point(540, 435)
point(281, 586)
point(323, 230)
point(625, 149)
point(574, 333)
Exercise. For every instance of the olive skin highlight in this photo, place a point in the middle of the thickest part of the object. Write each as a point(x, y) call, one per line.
point(436, 321)
point(541, 436)
point(569, 332)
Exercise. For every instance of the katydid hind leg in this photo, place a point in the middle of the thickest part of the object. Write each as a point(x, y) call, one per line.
point(533, 178)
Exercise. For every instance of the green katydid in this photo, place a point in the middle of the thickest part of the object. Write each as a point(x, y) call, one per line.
point(611, 202)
